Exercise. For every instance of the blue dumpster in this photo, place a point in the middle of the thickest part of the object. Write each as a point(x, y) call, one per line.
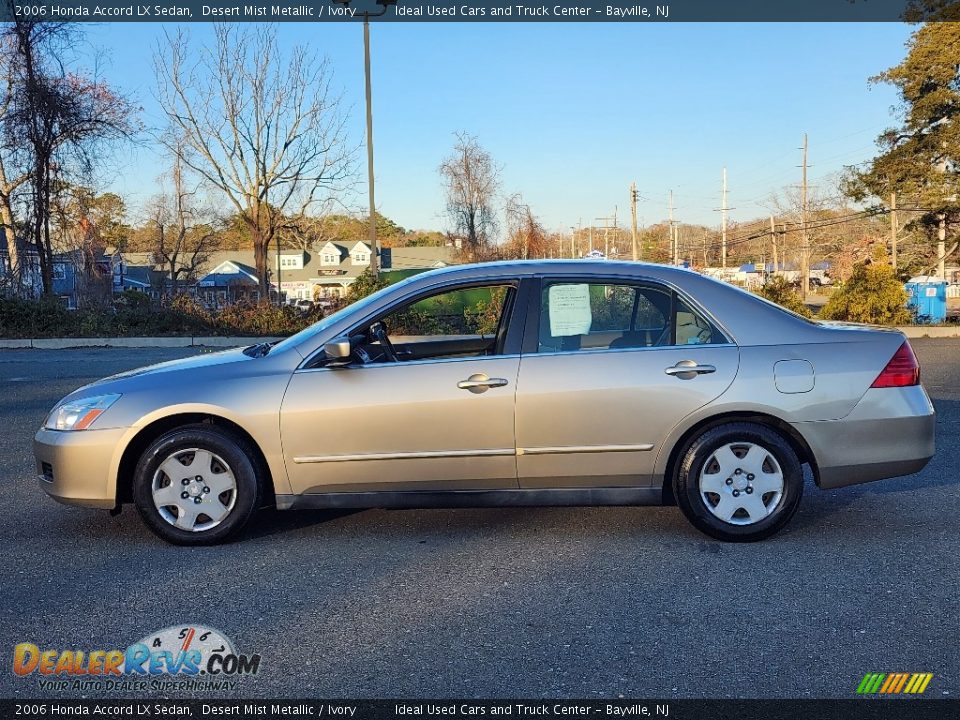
point(928, 300)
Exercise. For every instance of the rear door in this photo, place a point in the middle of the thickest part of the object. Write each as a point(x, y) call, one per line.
point(609, 368)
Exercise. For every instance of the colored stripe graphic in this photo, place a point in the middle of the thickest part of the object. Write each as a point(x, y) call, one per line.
point(894, 683)
point(903, 680)
point(870, 683)
point(918, 683)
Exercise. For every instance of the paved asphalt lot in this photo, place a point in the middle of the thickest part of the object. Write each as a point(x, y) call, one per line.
point(589, 602)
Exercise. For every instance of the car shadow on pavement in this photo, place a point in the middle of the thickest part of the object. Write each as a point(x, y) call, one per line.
point(274, 522)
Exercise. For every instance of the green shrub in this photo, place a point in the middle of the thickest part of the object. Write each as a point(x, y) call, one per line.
point(365, 284)
point(133, 314)
point(873, 295)
point(132, 299)
point(778, 290)
point(247, 318)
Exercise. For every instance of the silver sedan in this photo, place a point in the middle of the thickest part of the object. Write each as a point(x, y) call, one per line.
point(520, 383)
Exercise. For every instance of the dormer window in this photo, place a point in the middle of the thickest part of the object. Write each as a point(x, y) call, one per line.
point(290, 261)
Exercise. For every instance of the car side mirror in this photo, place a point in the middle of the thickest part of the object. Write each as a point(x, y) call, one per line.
point(338, 352)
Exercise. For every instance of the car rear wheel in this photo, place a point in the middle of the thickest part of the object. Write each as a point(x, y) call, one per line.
point(196, 485)
point(739, 482)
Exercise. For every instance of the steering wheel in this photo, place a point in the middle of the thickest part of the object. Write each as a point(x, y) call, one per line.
point(379, 333)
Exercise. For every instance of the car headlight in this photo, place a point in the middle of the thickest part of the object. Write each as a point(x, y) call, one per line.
point(79, 414)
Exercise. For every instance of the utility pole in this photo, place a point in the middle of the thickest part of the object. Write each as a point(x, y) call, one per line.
point(941, 246)
point(279, 279)
point(773, 240)
point(607, 227)
point(615, 232)
point(373, 240)
point(805, 239)
point(893, 229)
point(673, 244)
point(633, 219)
point(723, 215)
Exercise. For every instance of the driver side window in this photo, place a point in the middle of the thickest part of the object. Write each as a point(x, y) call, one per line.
point(462, 322)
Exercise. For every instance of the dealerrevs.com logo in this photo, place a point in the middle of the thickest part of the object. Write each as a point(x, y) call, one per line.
point(181, 657)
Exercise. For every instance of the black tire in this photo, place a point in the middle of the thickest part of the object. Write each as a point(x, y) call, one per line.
point(234, 454)
point(697, 506)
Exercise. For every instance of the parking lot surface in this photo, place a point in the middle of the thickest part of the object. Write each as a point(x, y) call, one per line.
point(556, 602)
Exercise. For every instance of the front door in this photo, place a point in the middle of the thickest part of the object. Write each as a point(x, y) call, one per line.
point(617, 366)
point(440, 416)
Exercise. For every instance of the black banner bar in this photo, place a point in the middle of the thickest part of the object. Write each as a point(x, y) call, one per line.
point(633, 11)
point(857, 709)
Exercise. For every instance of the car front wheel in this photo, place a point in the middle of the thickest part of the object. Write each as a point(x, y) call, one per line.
point(739, 482)
point(196, 485)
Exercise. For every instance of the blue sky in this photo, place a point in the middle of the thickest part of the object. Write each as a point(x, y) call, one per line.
point(575, 112)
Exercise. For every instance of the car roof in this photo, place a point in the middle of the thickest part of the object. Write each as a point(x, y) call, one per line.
point(747, 319)
point(586, 266)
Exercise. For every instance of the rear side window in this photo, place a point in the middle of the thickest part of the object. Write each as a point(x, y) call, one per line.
point(614, 316)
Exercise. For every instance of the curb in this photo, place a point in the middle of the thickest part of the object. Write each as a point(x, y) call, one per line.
point(920, 331)
point(132, 342)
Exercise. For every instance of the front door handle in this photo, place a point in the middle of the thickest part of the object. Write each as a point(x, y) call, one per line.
point(688, 369)
point(479, 383)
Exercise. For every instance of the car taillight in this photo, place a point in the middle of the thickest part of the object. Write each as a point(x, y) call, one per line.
point(903, 369)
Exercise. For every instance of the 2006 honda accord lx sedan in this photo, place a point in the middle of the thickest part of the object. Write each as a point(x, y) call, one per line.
point(518, 383)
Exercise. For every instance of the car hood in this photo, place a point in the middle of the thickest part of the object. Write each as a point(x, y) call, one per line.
point(224, 357)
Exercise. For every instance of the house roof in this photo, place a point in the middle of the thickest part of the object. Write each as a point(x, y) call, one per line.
point(311, 264)
point(418, 258)
point(231, 266)
point(230, 272)
point(139, 275)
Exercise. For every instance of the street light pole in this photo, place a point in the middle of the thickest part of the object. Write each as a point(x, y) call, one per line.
point(373, 240)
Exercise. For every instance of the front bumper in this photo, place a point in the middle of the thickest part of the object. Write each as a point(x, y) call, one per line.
point(888, 434)
point(79, 468)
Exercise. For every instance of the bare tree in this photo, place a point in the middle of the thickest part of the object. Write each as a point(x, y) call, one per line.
point(268, 134)
point(12, 175)
point(472, 180)
point(58, 119)
point(526, 237)
point(184, 234)
point(304, 232)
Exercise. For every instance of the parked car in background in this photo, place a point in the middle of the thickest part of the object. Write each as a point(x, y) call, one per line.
point(515, 383)
point(304, 306)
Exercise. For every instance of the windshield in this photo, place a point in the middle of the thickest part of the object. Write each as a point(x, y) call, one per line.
point(330, 320)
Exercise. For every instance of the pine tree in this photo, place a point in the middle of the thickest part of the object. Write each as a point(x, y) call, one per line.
point(920, 158)
point(873, 294)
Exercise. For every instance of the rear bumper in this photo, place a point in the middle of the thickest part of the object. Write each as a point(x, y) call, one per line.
point(78, 468)
point(888, 434)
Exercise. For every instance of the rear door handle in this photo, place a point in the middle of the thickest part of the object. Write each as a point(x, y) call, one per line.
point(479, 383)
point(688, 369)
